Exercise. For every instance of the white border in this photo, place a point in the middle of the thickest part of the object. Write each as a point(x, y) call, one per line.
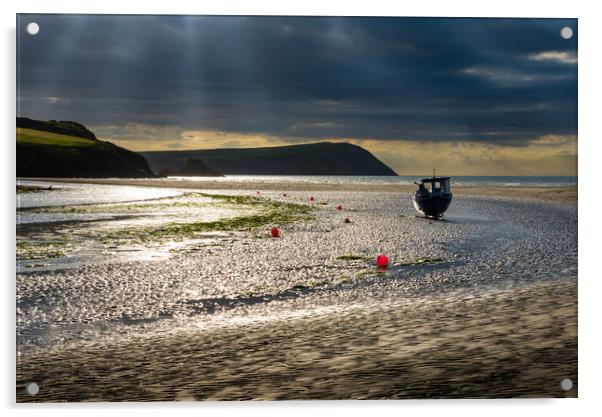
point(589, 229)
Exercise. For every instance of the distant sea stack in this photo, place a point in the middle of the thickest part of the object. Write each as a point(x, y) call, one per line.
point(193, 168)
point(68, 149)
point(323, 158)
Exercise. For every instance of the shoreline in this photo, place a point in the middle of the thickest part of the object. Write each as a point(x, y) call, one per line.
point(558, 194)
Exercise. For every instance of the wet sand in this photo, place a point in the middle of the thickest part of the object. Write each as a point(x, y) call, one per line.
point(496, 319)
point(563, 194)
point(515, 342)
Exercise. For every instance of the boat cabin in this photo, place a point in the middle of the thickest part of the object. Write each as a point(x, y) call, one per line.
point(437, 184)
point(433, 196)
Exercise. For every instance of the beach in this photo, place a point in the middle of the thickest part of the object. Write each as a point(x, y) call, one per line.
point(480, 305)
point(509, 343)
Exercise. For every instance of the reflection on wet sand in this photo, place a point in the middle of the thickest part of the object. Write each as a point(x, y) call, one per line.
point(480, 305)
point(508, 343)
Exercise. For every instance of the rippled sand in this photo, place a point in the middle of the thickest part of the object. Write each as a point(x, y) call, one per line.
point(517, 342)
point(251, 317)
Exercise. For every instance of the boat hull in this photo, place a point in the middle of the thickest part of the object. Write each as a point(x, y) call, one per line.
point(433, 205)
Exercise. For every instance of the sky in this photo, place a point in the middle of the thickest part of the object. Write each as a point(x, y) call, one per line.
point(465, 96)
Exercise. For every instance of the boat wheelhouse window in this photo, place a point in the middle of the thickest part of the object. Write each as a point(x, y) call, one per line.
point(437, 185)
point(445, 186)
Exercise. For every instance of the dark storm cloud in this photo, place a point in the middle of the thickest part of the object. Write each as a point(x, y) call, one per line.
point(503, 81)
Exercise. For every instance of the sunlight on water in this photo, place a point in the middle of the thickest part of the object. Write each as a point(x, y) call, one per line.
point(81, 279)
point(72, 225)
point(62, 194)
point(503, 181)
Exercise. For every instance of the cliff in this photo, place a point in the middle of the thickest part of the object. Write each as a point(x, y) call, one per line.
point(68, 149)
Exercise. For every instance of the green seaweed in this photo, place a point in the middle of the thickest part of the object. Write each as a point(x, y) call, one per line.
point(309, 285)
point(270, 213)
point(352, 258)
point(421, 261)
point(40, 250)
point(415, 262)
point(175, 201)
point(344, 279)
point(157, 204)
point(264, 212)
point(364, 273)
point(22, 189)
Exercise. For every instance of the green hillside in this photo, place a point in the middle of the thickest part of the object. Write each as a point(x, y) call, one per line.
point(323, 158)
point(57, 126)
point(43, 153)
point(52, 139)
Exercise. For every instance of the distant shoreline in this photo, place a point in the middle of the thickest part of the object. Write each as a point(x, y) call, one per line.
point(560, 194)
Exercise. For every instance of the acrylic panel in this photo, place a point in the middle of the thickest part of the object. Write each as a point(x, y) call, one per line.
point(288, 207)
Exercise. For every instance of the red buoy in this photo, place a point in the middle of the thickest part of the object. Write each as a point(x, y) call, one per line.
point(347, 220)
point(312, 199)
point(339, 207)
point(284, 195)
point(382, 260)
point(275, 232)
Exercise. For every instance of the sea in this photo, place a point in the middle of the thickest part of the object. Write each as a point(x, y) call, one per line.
point(500, 181)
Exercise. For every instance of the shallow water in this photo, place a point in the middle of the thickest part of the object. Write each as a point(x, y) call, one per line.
point(62, 194)
point(235, 276)
point(54, 236)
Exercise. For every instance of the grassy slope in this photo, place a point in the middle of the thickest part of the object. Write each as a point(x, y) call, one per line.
point(39, 137)
point(47, 154)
